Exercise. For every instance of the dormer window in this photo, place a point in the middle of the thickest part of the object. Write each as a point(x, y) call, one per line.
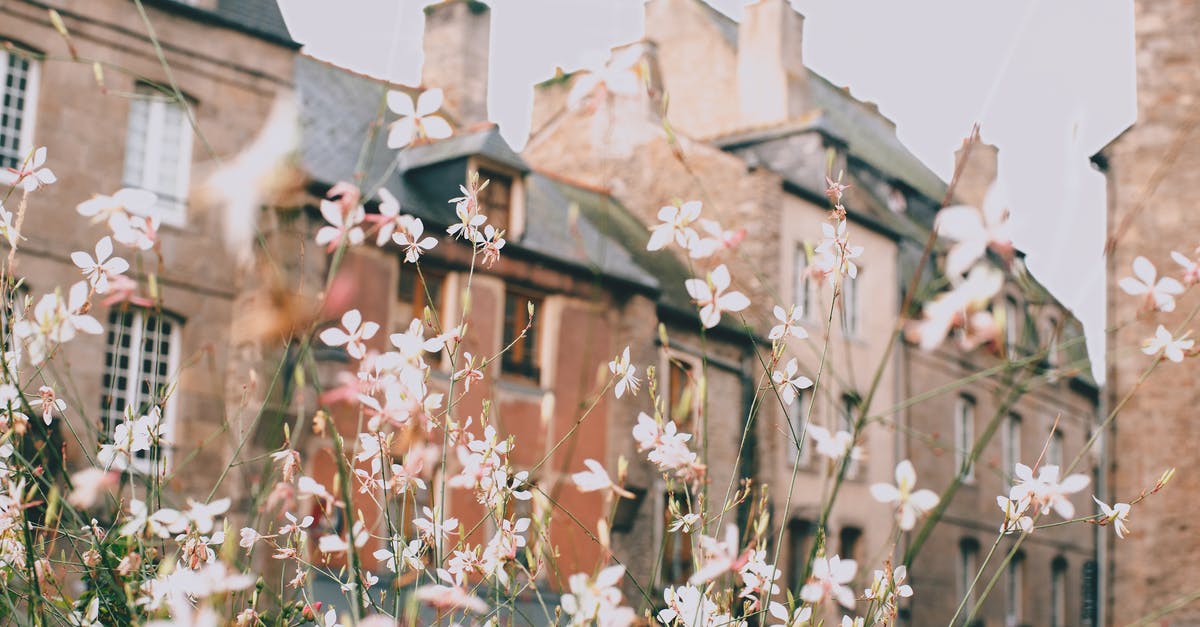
point(496, 198)
point(502, 200)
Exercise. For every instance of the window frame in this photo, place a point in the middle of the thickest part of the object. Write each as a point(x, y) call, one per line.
point(675, 542)
point(529, 368)
point(486, 169)
point(1014, 593)
point(802, 288)
point(1012, 442)
point(798, 417)
point(964, 437)
point(137, 326)
point(1058, 592)
point(1056, 449)
point(172, 206)
point(25, 138)
point(1012, 327)
point(851, 309)
point(968, 566)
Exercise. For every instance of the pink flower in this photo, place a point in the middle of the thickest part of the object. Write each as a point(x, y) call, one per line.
point(788, 381)
point(974, 230)
point(789, 323)
point(344, 215)
point(711, 297)
point(1117, 515)
point(718, 556)
point(409, 236)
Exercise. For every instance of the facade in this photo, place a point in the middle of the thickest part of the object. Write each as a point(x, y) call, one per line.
point(753, 137)
point(1151, 170)
point(759, 132)
point(127, 131)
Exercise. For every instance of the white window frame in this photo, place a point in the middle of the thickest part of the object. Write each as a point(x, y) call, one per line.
point(968, 565)
point(845, 418)
point(133, 379)
point(1012, 442)
point(1054, 451)
point(1012, 330)
point(1015, 594)
point(797, 416)
point(964, 437)
point(802, 295)
point(851, 305)
point(170, 210)
point(1058, 594)
point(25, 145)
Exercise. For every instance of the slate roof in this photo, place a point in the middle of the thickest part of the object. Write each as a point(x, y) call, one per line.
point(339, 109)
point(261, 16)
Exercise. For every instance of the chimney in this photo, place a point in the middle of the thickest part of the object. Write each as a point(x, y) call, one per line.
point(976, 176)
point(457, 34)
point(772, 80)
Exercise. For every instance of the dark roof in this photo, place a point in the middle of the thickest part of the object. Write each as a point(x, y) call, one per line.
point(340, 109)
point(260, 18)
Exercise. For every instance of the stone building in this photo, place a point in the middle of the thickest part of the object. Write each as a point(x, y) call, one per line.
point(230, 59)
point(759, 132)
point(753, 137)
point(1151, 170)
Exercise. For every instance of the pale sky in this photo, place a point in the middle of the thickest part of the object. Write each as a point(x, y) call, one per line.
point(1051, 82)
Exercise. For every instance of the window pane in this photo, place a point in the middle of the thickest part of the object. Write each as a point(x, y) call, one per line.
point(14, 72)
point(521, 358)
point(139, 348)
point(495, 200)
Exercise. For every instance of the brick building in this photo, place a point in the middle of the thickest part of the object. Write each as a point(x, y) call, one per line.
point(230, 59)
point(1151, 170)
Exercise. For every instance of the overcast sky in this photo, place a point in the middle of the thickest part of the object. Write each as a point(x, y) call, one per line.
point(1051, 82)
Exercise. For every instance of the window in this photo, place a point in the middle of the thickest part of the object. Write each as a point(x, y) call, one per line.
point(18, 92)
point(495, 200)
point(964, 437)
point(142, 350)
point(800, 534)
point(850, 304)
point(1014, 581)
point(415, 292)
point(846, 418)
point(681, 390)
point(677, 546)
point(1012, 443)
point(1058, 592)
point(802, 290)
point(1012, 329)
point(848, 539)
point(1054, 454)
point(158, 151)
point(968, 564)
point(1052, 355)
point(797, 421)
point(521, 358)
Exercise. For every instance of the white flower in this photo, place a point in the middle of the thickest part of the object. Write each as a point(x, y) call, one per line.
point(1160, 293)
point(677, 225)
point(596, 602)
point(802, 617)
point(616, 77)
point(833, 446)
point(717, 556)
point(343, 224)
point(97, 271)
point(973, 230)
point(788, 381)
point(625, 372)
point(416, 121)
point(1046, 491)
point(596, 478)
point(709, 295)
point(32, 177)
point(354, 336)
point(829, 579)
point(1015, 518)
point(689, 607)
point(409, 236)
point(789, 323)
point(836, 248)
point(909, 504)
point(1117, 515)
point(1171, 348)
